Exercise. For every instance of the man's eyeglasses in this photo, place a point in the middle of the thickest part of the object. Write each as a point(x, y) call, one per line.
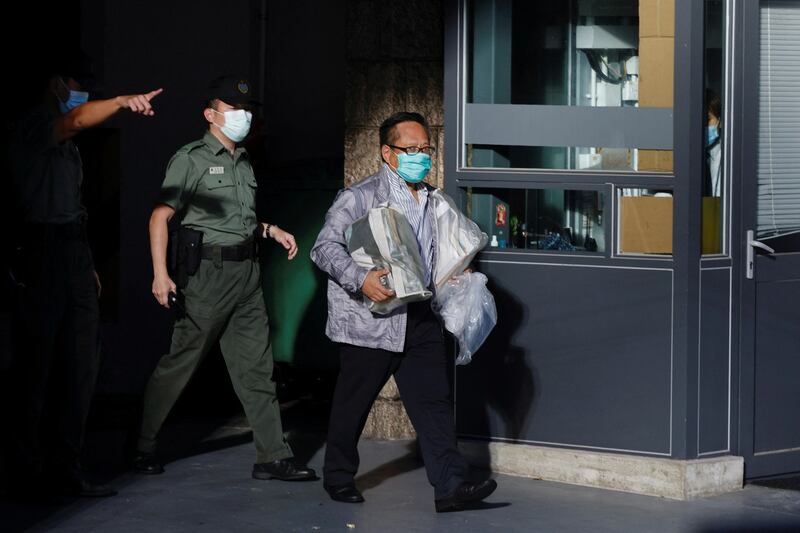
point(413, 150)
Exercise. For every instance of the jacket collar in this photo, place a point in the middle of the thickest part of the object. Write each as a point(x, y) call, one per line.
point(383, 191)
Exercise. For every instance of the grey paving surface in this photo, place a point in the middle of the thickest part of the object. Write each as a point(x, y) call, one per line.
point(214, 492)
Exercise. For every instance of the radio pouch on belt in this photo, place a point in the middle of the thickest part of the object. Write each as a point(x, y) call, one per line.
point(185, 249)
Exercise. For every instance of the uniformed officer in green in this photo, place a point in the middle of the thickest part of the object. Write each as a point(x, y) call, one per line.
point(210, 185)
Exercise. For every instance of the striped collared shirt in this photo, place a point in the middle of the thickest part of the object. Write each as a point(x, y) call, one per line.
point(400, 197)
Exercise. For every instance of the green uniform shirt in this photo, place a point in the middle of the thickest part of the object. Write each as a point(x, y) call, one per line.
point(212, 191)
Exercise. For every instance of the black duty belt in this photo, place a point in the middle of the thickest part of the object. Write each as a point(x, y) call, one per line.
point(239, 252)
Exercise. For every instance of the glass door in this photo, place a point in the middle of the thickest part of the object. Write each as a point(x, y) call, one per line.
point(770, 244)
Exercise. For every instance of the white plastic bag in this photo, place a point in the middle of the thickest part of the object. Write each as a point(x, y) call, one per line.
point(468, 310)
point(459, 239)
point(383, 238)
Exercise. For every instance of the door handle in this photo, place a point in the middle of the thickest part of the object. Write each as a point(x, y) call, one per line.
point(752, 244)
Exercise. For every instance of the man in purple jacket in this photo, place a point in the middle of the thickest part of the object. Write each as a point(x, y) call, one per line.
point(408, 343)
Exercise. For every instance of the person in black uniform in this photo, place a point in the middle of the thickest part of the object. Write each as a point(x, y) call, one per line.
point(56, 335)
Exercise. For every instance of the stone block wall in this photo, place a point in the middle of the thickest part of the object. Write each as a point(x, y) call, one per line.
point(395, 62)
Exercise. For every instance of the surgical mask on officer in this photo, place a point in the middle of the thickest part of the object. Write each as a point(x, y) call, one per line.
point(74, 99)
point(237, 124)
point(413, 167)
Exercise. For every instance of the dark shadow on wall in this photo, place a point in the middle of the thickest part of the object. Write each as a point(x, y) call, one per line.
point(495, 392)
point(296, 197)
point(784, 482)
point(100, 153)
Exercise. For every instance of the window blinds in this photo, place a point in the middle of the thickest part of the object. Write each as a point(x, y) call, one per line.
point(779, 119)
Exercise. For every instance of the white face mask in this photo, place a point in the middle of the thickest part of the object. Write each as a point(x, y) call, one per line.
point(237, 124)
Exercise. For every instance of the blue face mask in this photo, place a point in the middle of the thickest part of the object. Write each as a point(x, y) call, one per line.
point(75, 99)
point(413, 168)
point(712, 135)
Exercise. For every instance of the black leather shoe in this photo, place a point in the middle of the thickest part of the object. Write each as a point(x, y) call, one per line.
point(344, 493)
point(146, 463)
point(465, 494)
point(283, 469)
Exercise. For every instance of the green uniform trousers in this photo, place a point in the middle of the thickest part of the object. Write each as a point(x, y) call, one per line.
point(225, 299)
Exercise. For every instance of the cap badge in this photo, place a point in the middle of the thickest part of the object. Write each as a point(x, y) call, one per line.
point(243, 87)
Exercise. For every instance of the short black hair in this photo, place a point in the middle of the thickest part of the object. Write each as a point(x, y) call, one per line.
point(714, 104)
point(387, 133)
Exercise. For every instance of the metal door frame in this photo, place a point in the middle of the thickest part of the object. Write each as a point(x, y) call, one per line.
point(747, 52)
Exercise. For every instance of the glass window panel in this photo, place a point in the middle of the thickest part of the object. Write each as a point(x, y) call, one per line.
point(584, 53)
point(778, 207)
point(645, 221)
point(557, 157)
point(714, 177)
point(539, 219)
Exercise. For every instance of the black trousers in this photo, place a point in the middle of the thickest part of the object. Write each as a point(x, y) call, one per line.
point(422, 372)
point(56, 355)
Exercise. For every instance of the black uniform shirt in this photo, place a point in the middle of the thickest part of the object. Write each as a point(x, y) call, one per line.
point(47, 175)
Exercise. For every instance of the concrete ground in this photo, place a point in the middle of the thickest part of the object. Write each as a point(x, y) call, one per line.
point(213, 491)
point(207, 487)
